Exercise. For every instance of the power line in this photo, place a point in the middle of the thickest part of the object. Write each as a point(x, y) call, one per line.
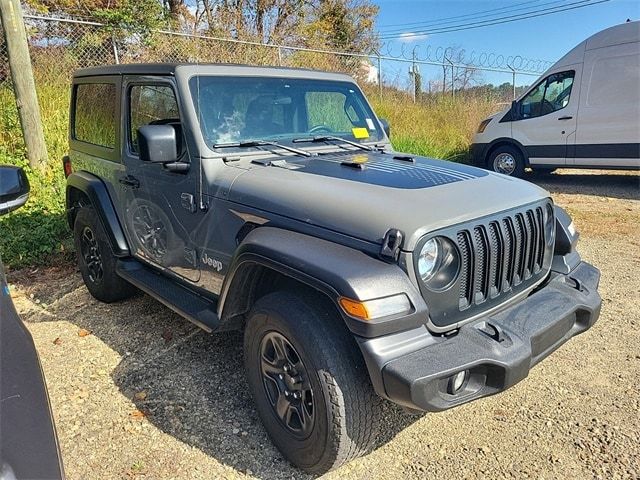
point(390, 26)
point(438, 24)
point(497, 21)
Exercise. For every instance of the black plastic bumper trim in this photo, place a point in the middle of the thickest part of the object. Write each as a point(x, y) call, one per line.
point(498, 350)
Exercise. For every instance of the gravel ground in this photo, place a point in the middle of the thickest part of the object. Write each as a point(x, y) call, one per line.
point(139, 393)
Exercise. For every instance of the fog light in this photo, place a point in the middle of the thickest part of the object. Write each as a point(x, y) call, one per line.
point(456, 382)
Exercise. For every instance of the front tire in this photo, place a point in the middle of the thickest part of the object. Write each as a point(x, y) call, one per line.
point(96, 261)
point(506, 159)
point(309, 382)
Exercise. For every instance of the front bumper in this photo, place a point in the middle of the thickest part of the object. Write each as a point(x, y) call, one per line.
point(479, 154)
point(414, 368)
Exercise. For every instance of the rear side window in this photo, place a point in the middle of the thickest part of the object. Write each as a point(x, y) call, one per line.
point(615, 81)
point(151, 105)
point(95, 114)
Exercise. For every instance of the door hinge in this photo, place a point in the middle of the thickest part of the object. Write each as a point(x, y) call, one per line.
point(188, 202)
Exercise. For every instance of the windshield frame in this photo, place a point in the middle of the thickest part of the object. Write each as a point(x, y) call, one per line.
point(375, 135)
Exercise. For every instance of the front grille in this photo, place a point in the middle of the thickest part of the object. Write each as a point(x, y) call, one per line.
point(499, 255)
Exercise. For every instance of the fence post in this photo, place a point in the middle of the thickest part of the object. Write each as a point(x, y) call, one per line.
point(513, 77)
point(379, 76)
point(279, 56)
point(24, 86)
point(116, 58)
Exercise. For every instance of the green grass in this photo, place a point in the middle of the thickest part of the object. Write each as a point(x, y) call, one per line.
point(37, 233)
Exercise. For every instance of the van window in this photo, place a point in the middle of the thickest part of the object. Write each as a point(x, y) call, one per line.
point(151, 105)
point(95, 114)
point(603, 90)
point(550, 95)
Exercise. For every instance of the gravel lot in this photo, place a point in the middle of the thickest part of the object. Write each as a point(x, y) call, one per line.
point(138, 392)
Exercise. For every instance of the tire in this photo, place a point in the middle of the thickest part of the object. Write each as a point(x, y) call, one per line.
point(96, 261)
point(343, 420)
point(506, 159)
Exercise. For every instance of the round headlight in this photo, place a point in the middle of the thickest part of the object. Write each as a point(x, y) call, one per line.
point(438, 263)
point(428, 259)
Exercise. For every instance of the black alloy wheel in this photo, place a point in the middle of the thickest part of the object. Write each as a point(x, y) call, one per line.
point(91, 254)
point(286, 383)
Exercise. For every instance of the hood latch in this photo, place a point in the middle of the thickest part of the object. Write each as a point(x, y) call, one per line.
point(391, 244)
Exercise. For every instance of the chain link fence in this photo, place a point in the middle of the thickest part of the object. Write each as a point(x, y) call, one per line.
point(58, 46)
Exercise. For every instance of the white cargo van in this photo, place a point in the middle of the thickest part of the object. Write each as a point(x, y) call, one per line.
point(582, 112)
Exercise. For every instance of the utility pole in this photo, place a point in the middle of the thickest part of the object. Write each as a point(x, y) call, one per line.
point(24, 86)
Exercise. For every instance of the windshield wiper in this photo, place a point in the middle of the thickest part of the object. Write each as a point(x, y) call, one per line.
point(332, 138)
point(262, 143)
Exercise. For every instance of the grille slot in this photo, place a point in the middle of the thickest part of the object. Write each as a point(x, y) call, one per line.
point(500, 255)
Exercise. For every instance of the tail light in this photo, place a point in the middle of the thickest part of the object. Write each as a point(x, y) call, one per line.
point(66, 165)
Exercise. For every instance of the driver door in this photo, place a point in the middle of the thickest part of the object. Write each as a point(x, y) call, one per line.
point(547, 119)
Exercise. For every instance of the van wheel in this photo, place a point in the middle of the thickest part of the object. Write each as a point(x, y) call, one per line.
point(507, 160)
point(309, 382)
point(96, 261)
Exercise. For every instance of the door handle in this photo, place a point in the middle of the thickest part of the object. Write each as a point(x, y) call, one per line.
point(565, 118)
point(129, 181)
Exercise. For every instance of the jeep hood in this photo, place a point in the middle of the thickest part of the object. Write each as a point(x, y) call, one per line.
point(365, 194)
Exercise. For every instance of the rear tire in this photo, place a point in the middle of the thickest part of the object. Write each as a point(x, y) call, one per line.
point(506, 159)
point(330, 381)
point(96, 261)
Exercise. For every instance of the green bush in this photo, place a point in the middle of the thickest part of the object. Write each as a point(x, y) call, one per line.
point(37, 233)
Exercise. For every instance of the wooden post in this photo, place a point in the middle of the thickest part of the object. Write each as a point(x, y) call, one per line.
point(24, 86)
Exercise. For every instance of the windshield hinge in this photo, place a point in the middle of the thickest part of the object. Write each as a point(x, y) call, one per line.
point(391, 244)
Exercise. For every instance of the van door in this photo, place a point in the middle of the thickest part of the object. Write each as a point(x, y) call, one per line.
point(609, 117)
point(546, 117)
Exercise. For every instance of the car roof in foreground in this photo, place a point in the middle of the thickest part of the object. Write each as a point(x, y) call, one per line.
point(221, 69)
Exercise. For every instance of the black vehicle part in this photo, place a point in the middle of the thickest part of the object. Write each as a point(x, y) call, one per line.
point(415, 369)
point(28, 446)
point(81, 184)
point(318, 377)
point(96, 262)
point(180, 299)
point(327, 267)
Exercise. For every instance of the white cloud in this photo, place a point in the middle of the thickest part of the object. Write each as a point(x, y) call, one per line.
point(408, 37)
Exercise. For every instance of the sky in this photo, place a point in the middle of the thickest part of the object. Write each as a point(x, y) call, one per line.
point(546, 37)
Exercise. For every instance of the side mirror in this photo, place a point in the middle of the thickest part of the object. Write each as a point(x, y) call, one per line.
point(514, 110)
point(158, 143)
point(385, 126)
point(14, 188)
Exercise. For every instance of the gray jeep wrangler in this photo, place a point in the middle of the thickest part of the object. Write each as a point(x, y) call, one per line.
point(270, 200)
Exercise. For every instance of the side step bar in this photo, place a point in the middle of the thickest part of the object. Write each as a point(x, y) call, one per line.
point(181, 300)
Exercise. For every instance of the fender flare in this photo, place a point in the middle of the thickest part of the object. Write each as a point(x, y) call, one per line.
point(509, 141)
point(97, 193)
point(330, 268)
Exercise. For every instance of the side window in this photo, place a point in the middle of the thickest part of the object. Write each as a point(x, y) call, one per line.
point(95, 114)
point(329, 109)
point(550, 95)
point(151, 105)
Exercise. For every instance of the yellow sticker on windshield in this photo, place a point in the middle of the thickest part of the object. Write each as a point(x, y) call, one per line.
point(360, 132)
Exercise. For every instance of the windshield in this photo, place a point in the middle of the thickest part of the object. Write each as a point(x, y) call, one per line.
point(238, 109)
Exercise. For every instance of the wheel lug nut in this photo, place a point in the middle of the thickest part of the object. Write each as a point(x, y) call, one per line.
point(297, 379)
point(280, 376)
point(286, 393)
point(286, 367)
point(296, 395)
